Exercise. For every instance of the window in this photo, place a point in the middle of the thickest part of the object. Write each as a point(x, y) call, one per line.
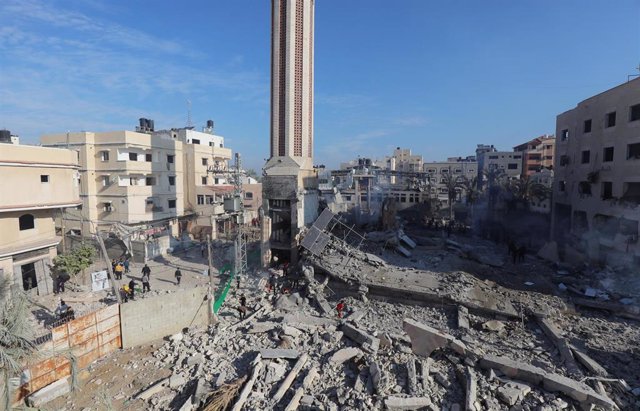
point(607, 190)
point(44, 178)
point(518, 156)
point(248, 195)
point(148, 158)
point(584, 188)
point(633, 151)
point(172, 180)
point(564, 160)
point(106, 207)
point(204, 181)
point(512, 166)
point(631, 192)
point(105, 181)
point(209, 199)
point(457, 170)
point(216, 181)
point(133, 156)
point(564, 135)
point(104, 156)
point(170, 158)
point(634, 112)
point(493, 157)
point(610, 119)
point(431, 170)
point(133, 181)
point(150, 181)
point(172, 203)
point(195, 141)
point(26, 222)
point(210, 143)
point(204, 162)
point(444, 170)
point(587, 126)
point(562, 186)
point(607, 154)
point(586, 157)
point(200, 199)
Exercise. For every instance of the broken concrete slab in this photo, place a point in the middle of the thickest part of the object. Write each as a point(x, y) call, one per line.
point(271, 353)
point(424, 339)
point(49, 393)
point(368, 342)
point(406, 403)
point(262, 327)
point(493, 325)
point(551, 382)
point(375, 376)
point(176, 381)
point(403, 251)
point(406, 239)
point(290, 377)
point(310, 320)
point(152, 389)
point(306, 384)
point(355, 315)
point(412, 379)
point(588, 362)
point(463, 317)
point(291, 331)
point(246, 390)
point(552, 332)
point(344, 355)
point(275, 371)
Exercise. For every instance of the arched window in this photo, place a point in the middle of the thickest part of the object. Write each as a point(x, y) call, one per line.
point(26, 222)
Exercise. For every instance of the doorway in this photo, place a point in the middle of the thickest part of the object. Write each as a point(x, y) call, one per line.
point(29, 278)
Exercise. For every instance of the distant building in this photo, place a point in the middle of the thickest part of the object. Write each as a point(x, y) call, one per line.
point(597, 175)
point(537, 154)
point(503, 163)
point(403, 160)
point(545, 178)
point(458, 167)
point(7, 138)
point(36, 183)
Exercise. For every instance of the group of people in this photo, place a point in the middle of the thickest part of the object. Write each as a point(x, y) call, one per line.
point(127, 291)
point(120, 267)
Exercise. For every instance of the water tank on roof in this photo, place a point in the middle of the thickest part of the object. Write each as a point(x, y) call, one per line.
point(5, 136)
point(209, 123)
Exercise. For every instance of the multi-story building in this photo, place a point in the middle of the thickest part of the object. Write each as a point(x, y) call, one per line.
point(544, 178)
point(597, 174)
point(403, 160)
point(537, 154)
point(206, 167)
point(37, 184)
point(438, 172)
point(503, 163)
point(126, 177)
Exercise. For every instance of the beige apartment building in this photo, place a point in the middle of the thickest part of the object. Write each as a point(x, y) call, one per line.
point(596, 194)
point(537, 154)
point(461, 168)
point(36, 184)
point(125, 177)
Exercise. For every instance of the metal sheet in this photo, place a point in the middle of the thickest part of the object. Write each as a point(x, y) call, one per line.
point(323, 219)
point(310, 238)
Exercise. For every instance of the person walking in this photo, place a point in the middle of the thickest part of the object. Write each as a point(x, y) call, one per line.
point(145, 283)
point(178, 275)
point(132, 286)
point(146, 270)
point(126, 266)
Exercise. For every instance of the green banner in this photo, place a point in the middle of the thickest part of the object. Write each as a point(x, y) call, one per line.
point(223, 291)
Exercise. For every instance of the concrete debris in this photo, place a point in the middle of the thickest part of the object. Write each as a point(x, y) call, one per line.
point(588, 362)
point(424, 339)
point(493, 325)
point(49, 393)
point(270, 353)
point(463, 317)
point(513, 392)
point(412, 377)
point(368, 342)
point(344, 355)
point(246, 390)
point(306, 384)
point(561, 344)
point(155, 388)
point(275, 372)
point(406, 403)
point(292, 375)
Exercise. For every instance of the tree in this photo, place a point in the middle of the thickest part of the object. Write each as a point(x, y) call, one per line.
point(74, 261)
point(253, 174)
point(15, 337)
point(452, 184)
point(470, 187)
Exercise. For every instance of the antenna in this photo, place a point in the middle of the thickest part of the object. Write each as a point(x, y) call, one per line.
point(634, 75)
point(189, 122)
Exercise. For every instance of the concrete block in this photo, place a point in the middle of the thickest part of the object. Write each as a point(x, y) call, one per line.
point(425, 339)
point(152, 390)
point(176, 381)
point(471, 389)
point(412, 378)
point(463, 317)
point(48, 393)
point(406, 403)
point(375, 376)
point(262, 327)
point(588, 362)
point(552, 332)
point(344, 355)
point(270, 353)
point(367, 342)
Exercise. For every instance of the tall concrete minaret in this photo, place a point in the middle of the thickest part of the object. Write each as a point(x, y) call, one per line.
point(290, 183)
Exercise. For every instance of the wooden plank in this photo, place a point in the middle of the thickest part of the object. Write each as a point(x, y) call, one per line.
point(108, 323)
point(85, 347)
point(85, 360)
point(108, 335)
point(81, 336)
point(108, 312)
point(82, 323)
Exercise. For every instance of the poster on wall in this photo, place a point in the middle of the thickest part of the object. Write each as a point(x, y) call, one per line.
point(99, 280)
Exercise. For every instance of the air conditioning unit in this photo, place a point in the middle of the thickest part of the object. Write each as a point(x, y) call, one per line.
point(108, 208)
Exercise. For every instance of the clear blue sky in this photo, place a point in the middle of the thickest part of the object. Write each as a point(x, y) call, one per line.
point(435, 76)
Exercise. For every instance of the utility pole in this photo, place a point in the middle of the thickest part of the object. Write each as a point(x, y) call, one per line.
point(64, 240)
point(211, 285)
point(114, 285)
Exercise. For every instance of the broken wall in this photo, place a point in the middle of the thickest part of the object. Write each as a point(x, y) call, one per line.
point(153, 318)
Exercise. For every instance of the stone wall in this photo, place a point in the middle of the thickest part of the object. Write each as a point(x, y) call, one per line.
point(149, 319)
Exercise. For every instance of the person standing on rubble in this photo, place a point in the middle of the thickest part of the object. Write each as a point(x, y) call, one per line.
point(340, 308)
point(272, 283)
point(178, 275)
point(126, 265)
point(118, 271)
point(145, 283)
point(146, 270)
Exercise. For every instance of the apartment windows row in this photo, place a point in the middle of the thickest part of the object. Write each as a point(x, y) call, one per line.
point(610, 120)
point(633, 153)
point(204, 199)
point(204, 180)
point(630, 190)
point(133, 156)
point(124, 181)
point(151, 205)
point(446, 171)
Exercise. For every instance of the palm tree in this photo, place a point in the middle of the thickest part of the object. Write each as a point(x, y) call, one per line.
point(452, 184)
point(15, 337)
